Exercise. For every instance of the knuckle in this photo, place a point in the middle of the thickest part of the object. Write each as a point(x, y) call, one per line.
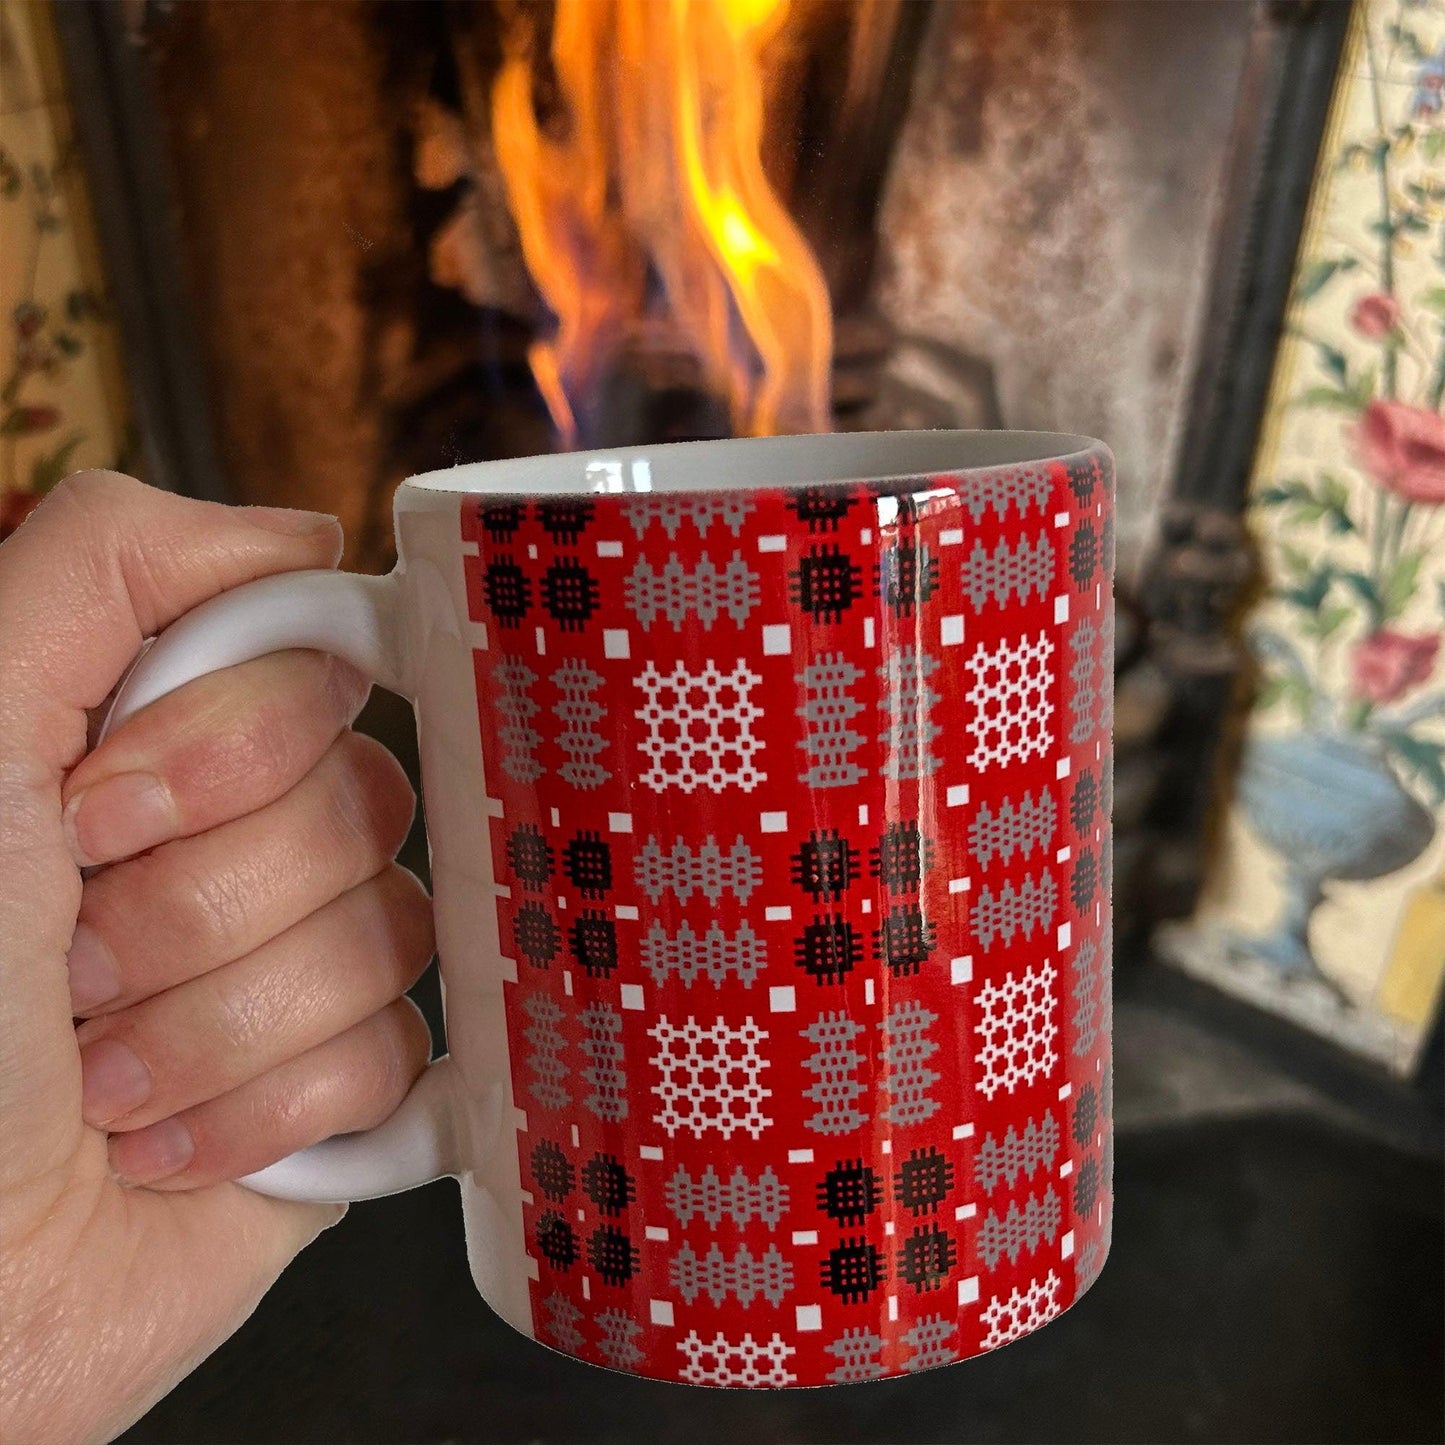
point(98, 489)
point(375, 803)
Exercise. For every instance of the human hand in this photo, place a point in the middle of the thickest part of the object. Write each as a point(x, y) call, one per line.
point(237, 957)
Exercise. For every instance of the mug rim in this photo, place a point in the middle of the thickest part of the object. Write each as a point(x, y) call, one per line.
point(745, 464)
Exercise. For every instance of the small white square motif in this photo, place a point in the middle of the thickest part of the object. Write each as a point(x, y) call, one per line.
point(650, 1151)
point(778, 913)
point(576, 1137)
point(958, 885)
point(886, 1146)
point(866, 535)
point(1061, 519)
point(950, 537)
point(541, 637)
point(482, 642)
point(772, 544)
point(773, 823)
point(868, 637)
point(1066, 1245)
point(863, 813)
point(619, 822)
point(1063, 768)
point(958, 795)
point(960, 970)
point(660, 1311)
point(657, 1232)
point(809, 1317)
point(867, 905)
point(1066, 934)
point(1065, 1090)
point(783, 1000)
point(567, 982)
point(805, 1236)
point(867, 990)
point(965, 1211)
point(556, 817)
point(951, 631)
point(626, 910)
point(609, 549)
point(532, 550)
point(800, 1156)
point(893, 1307)
point(888, 1228)
point(615, 642)
point(1061, 608)
point(632, 996)
point(963, 1131)
point(968, 1290)
point(777, 640)
point(1066, 1168)
point(1064, 854)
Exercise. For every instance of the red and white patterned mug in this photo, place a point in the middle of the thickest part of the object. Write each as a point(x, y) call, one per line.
point(768, 791)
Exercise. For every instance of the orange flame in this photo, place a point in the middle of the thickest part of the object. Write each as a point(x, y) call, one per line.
point(654, 172)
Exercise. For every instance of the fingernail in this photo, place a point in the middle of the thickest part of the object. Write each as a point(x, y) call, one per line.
point(152, 1153)
point(117, 817)
point(290, 522)
point(113, 1081)
point(94, 978)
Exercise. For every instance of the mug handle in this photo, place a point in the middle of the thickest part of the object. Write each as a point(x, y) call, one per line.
point(359, 619)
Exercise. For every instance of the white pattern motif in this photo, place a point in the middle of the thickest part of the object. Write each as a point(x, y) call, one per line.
point(1024, 1310)
point(1011, 702)
point(744, 1363)
point(694, 744)
point(728, 1056)
point(1017, 1029)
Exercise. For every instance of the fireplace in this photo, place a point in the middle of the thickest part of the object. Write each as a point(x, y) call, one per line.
point(395, 237)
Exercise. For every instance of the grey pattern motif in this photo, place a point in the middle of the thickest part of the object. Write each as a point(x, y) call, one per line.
point(602, 1043)
point(1087, 977)
point(745, 1275)
point(859, 1354)
point(673, 509)
point(829, 710)
point(1002, 1161)
point(906, 1051)
point(1022, 489)
point(563, 1317)
point(517, 708)
point(1008, 571)
point(1023, 827)
point(909, 700)
point(1025, 909)
point(548, 1045)
point(931, 1341)
point(835, 1063)
point(740, 1200)
point(684, 871)
point(618, 1344)
point(1020, 1231)
point(1084, 696)
point(707, 591)
point(1091, 1257)
point(686, 954)
point(580, 713)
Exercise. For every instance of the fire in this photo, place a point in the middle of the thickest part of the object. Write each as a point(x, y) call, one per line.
point(648, 192)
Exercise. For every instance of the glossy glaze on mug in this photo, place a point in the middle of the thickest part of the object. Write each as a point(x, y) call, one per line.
point(877, 884)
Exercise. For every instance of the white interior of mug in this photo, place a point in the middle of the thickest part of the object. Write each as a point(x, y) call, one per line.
point(756, 462)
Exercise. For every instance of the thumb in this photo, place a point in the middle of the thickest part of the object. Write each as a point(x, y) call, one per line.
point(102, 564)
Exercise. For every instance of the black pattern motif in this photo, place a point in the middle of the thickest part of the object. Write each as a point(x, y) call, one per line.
point(565, 521)
point(829, 948)
point(552, 1171)
point(570, 594)
point(556, 1240)
point(530, 855)
point(538, 938)
point(821, 508)
point(900, 857)
point(587, 862)
point(1084, 879)
point(1084, 473)
point(906, 577)
point(825, 865)
point(607, 1184)
point(927, 1257)
point(905, 940)
point(1083, 554)
point(923, 1181)
point(1083, 802)
point(610, 1253)
point(594, 943)
point(853, 1270)
point(827, 583)
point(850, 1192)
point(501, 520)
point(507, 590)
point(1086, 1187)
